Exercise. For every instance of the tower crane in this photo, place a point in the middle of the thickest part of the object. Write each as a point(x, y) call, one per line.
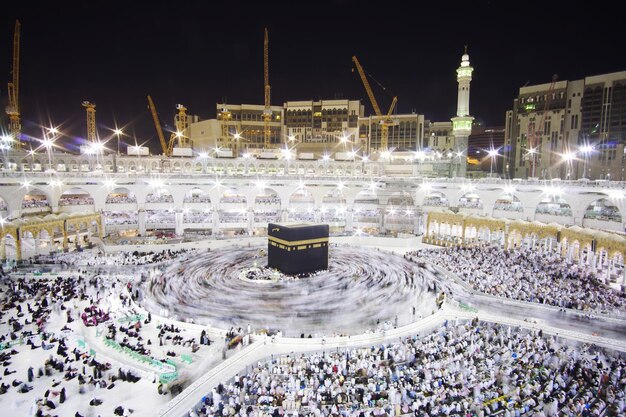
point(181, 124)
point(267, 111)
point(535, 134)
point(386, 119)
point(13, 109)
point(92, 136)
point(157, 125)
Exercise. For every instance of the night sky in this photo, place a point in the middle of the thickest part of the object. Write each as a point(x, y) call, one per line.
point(200, 53)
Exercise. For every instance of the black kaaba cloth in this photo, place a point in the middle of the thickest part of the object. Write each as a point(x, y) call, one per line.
point(297, 248)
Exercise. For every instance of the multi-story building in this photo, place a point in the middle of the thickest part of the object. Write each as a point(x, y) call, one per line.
point(439, 137)
point(568, 129)
point(603, 127)
point(324, 126)
point(238, 127)
point(406, 133)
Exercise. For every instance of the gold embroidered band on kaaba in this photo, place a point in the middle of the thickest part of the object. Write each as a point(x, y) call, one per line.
point(298, 244)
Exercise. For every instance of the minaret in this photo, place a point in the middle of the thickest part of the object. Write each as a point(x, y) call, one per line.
point(462, 123)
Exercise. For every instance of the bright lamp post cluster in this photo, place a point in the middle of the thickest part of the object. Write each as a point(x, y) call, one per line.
point(569, 157)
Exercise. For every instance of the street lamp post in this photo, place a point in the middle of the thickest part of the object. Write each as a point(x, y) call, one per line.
point(118, 133)
point(585, 150)
point(493, 153)
point(567, 159)
point(48, 142)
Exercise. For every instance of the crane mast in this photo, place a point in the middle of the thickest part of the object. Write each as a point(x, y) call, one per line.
point(267, 111)
point(91, 122)
point(12, 109)
point(386, 119)
point(181, 124)
point(157, 125)
point(535, 134)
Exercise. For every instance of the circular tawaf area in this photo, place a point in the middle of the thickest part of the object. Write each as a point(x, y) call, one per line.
point(362, 289)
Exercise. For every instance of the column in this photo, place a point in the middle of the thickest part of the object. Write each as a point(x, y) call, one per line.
point(216, 223)
point(317, 215)
point(349, 221)
point(18, 248)
point(141, 222)
point(178, 218)
point(250, 220)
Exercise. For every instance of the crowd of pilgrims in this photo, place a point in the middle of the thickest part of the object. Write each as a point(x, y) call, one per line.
point(466, 369)
point(34, 307)
point(527, 275)
point(94, 258)
point(461, 369)
point(26, 303)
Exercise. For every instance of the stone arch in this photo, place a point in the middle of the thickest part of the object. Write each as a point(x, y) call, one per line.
point(35, 199)
point(267, 196)
point(508, 201)
point(554, 205)
point(366, 197)
point(197, 195)
point(75, 197)
point(365, 208)
point(301, 205)
point(121, 195)
point(160, 195)
point(436, 199)
point(267, 205)
point(603, 209)
point(232, 195)
point(470, 200)
point(401, 199)
point(334, 197)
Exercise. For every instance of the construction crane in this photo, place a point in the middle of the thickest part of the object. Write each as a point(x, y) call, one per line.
point(13, 109)
point(157, 125)
point(535, 134)
point(181, 124)
point(92, 136)
point(267, 111)
point(386, 119)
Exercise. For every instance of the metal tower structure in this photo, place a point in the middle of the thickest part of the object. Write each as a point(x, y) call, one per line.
point(13, 108)
point(92, 136)
point(267, 111)
point(386, 119)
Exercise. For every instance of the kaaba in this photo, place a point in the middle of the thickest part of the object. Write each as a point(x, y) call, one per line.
point(297, 248)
